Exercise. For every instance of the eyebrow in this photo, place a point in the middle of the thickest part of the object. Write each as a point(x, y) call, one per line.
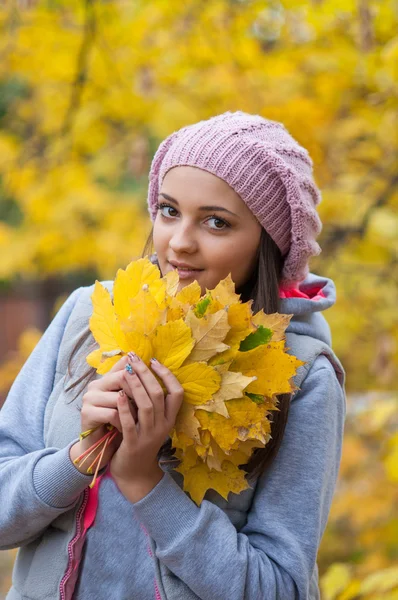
point(219, 208)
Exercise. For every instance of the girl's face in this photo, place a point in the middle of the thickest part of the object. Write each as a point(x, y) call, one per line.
point(204, 229)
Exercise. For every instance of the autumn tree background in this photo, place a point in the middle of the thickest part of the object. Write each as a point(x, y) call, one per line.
point(89, 88)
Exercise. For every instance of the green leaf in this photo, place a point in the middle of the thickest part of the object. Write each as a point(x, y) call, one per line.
point(257, 398)
point(202, 306)
point(259, 337)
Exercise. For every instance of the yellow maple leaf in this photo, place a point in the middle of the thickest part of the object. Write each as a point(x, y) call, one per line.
point(238, 456)
point(144, 314)
point(215, 456)
point(232, 386)
point(172, 343)
point(181, 441)
point(246, 447)
point(217, 406)
point(247, 420)
point(186, 426)
point(179, 305)
point(239, 318)
point(277, 322)
point(199, 381)
point(175, 310)
point(243, 452)
point(202, 448)
point(104, 323)
point(140, 343)
point(172, 282)
point(199, 478)
point(272, 365)
point(99, 361)
point(129, 283)
point(224, 357)
point(224, 292)
point(189, 457)
point(94, 358)
point(208, 333)
point(190, 294)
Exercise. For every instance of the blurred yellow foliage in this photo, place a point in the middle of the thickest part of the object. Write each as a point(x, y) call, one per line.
point(87, 92)
point(362, 533)
point(11, 366)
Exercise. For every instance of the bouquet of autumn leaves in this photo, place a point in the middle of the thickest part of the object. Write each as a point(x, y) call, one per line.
point(230, 362)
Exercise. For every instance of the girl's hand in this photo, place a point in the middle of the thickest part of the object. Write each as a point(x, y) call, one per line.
point(99, 408)
point(135, 462)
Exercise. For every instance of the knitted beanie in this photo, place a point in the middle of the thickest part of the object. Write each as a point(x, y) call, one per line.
point(265, 166)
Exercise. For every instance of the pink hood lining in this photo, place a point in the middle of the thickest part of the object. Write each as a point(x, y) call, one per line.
point(313, 293)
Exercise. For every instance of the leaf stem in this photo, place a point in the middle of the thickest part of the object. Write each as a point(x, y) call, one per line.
point(90, 450)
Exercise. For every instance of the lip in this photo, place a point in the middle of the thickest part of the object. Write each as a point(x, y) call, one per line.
point(185, 271)
point(181, 265)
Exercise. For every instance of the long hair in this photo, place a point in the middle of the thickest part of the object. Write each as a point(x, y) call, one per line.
point(263, 288)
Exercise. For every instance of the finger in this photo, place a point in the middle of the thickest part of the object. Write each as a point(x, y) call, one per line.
point(133, 408)
point(119, 365)
point(150, 384)
point(110, 381)
point(105, 399)
point(95, 416)
point(129, 428)
point(109, 399)
point(126, 388)
point(143, 402)
point(174, 388)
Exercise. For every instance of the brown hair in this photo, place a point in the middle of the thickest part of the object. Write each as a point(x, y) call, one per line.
point(263, 289)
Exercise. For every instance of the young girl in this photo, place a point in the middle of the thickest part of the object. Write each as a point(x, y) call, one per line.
point(233, 194)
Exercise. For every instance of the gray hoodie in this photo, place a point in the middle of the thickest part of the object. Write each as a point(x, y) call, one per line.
point(261, 544)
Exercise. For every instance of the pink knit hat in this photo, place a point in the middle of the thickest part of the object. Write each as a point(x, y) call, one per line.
point(265, 165)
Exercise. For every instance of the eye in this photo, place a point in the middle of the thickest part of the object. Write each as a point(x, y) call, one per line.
point(220, 224)
point(163, 205)
point(166, 211)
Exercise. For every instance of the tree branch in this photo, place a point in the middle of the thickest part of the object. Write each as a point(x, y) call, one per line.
point(81, 66)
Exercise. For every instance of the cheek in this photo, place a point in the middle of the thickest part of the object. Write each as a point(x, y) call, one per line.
point(159, 236)
point(237, 258)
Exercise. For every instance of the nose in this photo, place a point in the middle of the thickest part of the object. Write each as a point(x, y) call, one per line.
point(183, 240)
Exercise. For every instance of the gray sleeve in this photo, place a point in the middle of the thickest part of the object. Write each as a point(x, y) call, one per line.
point(31, 475)
point(274, 555)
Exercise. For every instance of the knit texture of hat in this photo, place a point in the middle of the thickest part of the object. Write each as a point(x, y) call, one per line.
point(264, 164)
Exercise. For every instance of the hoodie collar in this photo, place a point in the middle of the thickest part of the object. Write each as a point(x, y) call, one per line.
point(306, 301)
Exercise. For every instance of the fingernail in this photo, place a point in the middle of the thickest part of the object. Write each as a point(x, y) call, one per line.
point(154, 360)
point(129, 369)
point(133, 357)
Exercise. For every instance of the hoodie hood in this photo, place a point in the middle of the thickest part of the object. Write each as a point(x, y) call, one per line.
point(306, 302)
